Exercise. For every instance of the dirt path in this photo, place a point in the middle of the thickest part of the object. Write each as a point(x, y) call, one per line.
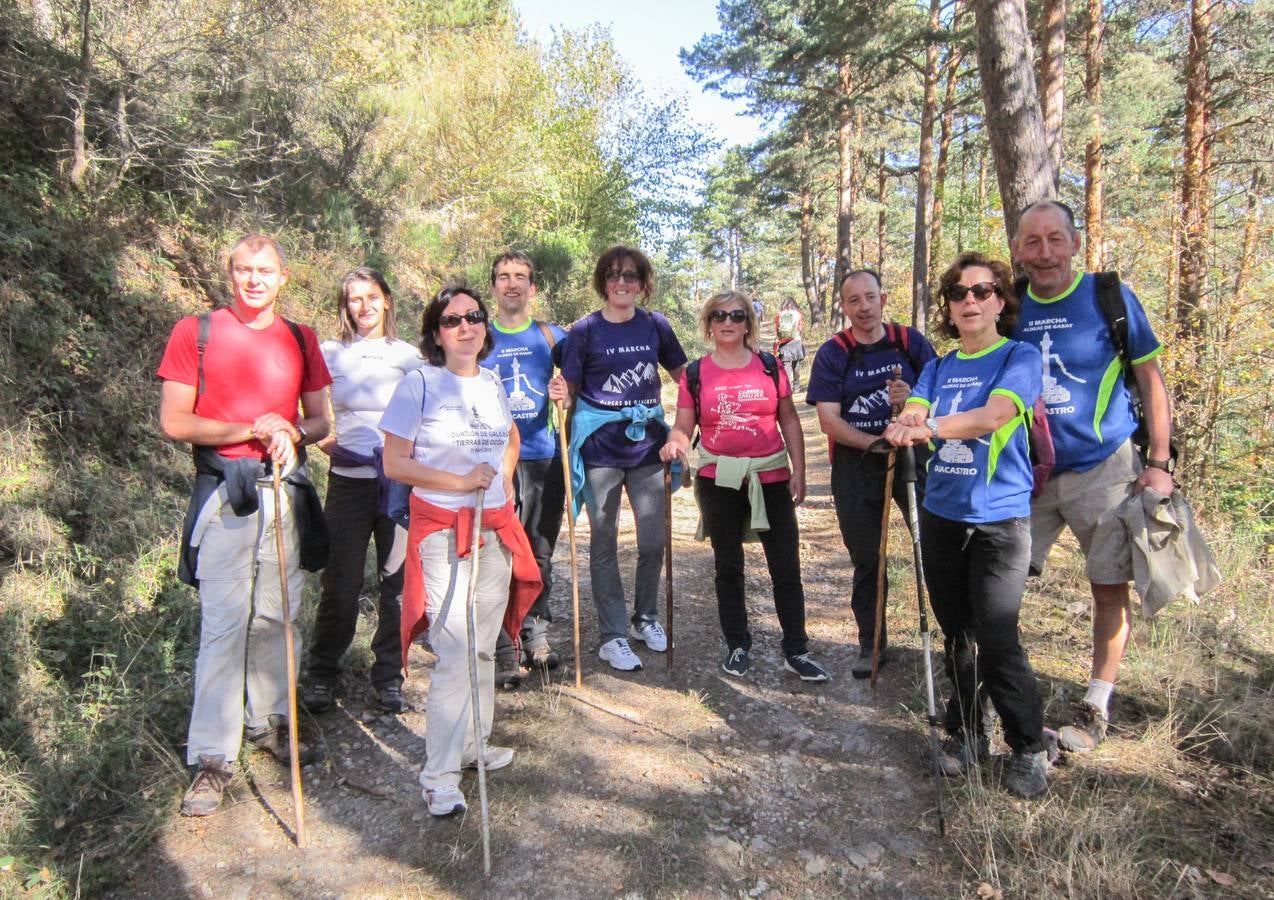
point(687, 784)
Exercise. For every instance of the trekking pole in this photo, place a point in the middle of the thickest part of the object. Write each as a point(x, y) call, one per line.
point(882, 566)
point(668, 554)
point(909, 477)
point(289, 649)
point(570, 523)
point(471, 627)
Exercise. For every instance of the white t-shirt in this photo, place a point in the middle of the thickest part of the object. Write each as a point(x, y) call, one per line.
point(364, 375)
point(456, 424)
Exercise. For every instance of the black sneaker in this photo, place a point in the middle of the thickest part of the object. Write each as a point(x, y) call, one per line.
point(273, 739)
point(736, 662)
point(1026, 775)
point(390, 699)
point(861, 667)
point(508, 674)
point(318, 698)
point(956, 755)
point(1086, 731)
point(802, 665)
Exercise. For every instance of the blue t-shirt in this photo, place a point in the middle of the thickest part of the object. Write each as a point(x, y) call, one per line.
point(524, 362)
point(614, 365)
point(986, 479)
point(857, 379)
point(1089, 410)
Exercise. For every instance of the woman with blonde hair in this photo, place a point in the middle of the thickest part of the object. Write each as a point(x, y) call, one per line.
point(751, 475)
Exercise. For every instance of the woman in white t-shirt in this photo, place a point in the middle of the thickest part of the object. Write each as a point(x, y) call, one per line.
point(367, 361)
point(750, 478)
point(448, 433)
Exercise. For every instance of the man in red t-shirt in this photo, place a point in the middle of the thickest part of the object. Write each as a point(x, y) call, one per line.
point(237, 403)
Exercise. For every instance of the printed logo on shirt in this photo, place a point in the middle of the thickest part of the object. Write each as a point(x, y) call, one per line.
point(620, 382)
point(728, 416)
point(517, 386)
point(1056, 395)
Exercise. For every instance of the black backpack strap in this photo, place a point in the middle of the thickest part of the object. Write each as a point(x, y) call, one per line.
point(771, 366)
point(692, 384)
point(1110, 299)
point(201, 344)
point(299, 335)
point(547, 334)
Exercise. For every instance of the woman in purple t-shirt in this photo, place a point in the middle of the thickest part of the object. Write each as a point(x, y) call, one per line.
point(751, 475)
point(610, 363)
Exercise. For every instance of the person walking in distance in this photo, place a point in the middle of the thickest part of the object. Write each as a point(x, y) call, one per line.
point(233, 380)
point(610, 364)
point(366, 361)
point(522, 355)
point(852, 386)
point(1093, 421)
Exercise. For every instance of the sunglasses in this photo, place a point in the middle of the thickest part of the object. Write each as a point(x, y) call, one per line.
point(734, 315)
point(474, 317)
point(628, 276)
point(981, 291)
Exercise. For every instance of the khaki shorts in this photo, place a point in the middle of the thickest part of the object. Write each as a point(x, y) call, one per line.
point(1086, 502)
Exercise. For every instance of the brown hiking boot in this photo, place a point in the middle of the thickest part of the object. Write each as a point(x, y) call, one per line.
point(210, 783)
point(1086, 731)
point(273, 739)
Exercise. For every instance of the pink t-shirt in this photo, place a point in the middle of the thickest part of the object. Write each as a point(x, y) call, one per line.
point(738, 412)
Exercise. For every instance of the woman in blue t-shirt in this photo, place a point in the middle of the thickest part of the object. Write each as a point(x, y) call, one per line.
point(610, 362)
point(973, 406)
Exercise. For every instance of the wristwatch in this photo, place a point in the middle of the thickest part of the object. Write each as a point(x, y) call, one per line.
point(932, 424)
point(1166, 464)
point(300, 429)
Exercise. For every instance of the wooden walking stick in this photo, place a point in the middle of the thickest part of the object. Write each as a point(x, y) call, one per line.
point(294, 744)
point(882, 565)
point(471, 629)
point(668, 554)
point(570, 524)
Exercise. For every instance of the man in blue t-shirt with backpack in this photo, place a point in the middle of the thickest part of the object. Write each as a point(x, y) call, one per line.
point(852, 385)
point(523, 358)
point(1074, 320)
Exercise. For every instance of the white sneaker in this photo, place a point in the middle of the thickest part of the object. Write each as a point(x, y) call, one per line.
point(496, 758)
point(619, 655)
point(444, 801)
point(651, 634)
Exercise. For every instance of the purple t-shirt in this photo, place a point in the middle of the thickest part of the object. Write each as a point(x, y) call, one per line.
point(614, 365)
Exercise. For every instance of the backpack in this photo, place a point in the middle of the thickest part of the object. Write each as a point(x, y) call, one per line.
point(1039, 436)
point(1110, 300)
point(788, 321)
point(768, 363)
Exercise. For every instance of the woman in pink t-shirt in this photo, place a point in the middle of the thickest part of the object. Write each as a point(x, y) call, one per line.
point(751, 475)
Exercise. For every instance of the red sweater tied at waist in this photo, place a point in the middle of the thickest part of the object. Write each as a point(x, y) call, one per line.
point(426, 518)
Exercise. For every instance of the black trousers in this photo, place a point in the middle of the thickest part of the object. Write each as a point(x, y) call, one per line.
point(858, 491)
point(353, 522)
point(726, 516)
point(541, 502)
point(976, 574)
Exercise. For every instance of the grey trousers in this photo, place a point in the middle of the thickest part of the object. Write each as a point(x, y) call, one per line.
point(645, 488)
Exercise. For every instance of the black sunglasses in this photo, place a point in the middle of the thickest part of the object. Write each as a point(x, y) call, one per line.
point(628, 276)
point(981, 291)
point(734, 315)
point(474, 317)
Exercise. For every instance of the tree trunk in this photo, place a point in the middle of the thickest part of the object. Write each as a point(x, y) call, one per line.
point(1015, 125)
point(42, 13)
point(881, 218)
point(809, 275)
point(1094, 211)
point(79, 146)
point(845, 162)
point(1250, 222)
point(924, 178)
point(1053, 80)
point(954, 57)
point(1190, 300)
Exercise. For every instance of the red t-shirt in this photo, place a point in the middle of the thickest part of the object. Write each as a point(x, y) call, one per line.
point(247, 372)
point(738, 412)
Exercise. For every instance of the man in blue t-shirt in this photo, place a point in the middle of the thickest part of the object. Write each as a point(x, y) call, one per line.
point(1092, 419)
point(852, 387)
point(523, 358)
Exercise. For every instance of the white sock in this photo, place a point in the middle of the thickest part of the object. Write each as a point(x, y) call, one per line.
point(1099, 695)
